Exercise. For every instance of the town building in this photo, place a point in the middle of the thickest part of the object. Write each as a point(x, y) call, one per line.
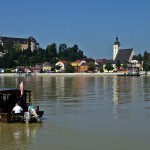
point(62, 64)
point(127, 57)
point(122, 54)
point(47, 67)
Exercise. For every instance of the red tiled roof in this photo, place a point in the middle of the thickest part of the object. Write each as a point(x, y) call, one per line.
point(63, 61)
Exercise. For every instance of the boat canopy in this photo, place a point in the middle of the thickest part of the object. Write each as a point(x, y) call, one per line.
point(11, 96)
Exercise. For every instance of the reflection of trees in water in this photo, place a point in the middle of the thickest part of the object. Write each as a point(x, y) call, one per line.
point(124, 89)
point(146, 81)
point(17, 136)
point(64, 88)
point(129, 90)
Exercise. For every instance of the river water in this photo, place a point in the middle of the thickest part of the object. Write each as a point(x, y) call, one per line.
point(83, 113)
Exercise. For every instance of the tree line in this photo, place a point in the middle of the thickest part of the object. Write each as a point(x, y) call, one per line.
point(13, 56)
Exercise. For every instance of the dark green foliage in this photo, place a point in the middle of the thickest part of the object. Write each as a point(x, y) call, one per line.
point(15, 56)
point(109, 67)
point(8, 47)
point(32, 60)
point(70, 53)
point(140, 58)
point(62, 52)
point(118, 64)
point(69, 68)
point(6, 62)
point(1, 48)
point(146, 60)
point(23, 60)
point(91, 67)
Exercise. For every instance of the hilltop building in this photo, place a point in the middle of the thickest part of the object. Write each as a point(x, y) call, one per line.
point(23, 43)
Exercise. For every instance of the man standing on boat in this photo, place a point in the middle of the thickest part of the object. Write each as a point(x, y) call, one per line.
point(17, 109)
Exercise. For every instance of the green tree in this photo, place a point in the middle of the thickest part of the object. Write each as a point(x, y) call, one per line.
point(32, 60)
point(62, 51)
point(8, 47)
point(109, 67)
point(69, 68)
point(17, 47)
point(7, 62)
point(146, 59)
point(91, 67)
point(1, 48)
point(23, 60)
point(118, 64)
point(42, 53)
point(27, 52)
point(80, 54)
point(39, 58)
point(70, 53)
point(140, 57)
point(51, 51)
point(146, 56)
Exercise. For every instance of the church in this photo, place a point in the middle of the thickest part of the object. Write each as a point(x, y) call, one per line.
point(127, 57)
point(124, 55)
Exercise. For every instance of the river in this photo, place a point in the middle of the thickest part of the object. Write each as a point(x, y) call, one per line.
point(82, 113)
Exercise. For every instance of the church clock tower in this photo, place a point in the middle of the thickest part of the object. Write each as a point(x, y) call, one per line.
point(116, 48)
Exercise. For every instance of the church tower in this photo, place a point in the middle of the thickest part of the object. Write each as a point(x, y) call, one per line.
point(116, 48)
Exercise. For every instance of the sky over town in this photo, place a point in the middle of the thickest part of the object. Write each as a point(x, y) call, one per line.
point(91, 24)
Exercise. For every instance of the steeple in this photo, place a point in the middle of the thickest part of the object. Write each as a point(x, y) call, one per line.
point(116, 48)
point(117, 42)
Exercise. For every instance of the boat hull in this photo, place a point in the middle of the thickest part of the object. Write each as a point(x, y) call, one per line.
point(14, 118)
point(129, 74)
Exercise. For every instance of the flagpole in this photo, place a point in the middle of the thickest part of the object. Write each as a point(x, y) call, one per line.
point(21, 88)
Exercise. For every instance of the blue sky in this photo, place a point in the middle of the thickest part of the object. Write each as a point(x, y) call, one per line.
point(91, 24)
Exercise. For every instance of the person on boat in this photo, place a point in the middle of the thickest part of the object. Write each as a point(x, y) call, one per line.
point(17, 109)
point(31, 114)
point(32, 111)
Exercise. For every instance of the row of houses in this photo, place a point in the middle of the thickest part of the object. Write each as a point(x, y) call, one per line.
point(81, 66)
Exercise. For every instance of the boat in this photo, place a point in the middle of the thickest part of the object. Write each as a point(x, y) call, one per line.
point(25, 74)
point(129, 74)
point(10, 96)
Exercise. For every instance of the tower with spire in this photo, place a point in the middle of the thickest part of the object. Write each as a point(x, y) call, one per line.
point(116, 48)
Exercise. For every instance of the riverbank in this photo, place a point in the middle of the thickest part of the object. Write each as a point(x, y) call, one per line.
point(61, 74)
point(68, 74)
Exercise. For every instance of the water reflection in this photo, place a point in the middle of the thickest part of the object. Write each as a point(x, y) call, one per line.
point(146, 87)
point(17, 136)
point(89, 112)
point(128, 90)
point(124, 89)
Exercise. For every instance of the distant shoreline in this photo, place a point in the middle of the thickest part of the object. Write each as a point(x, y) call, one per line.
point(66, 74)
